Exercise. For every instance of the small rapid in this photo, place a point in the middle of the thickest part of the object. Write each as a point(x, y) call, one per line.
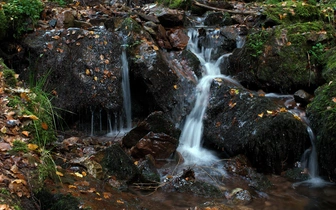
point(191, 137)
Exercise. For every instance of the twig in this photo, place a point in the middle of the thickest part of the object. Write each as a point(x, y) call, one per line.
point(224, 10)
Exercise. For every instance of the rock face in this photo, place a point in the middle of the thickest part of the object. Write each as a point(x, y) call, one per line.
point(241, 122)
point(82, 68)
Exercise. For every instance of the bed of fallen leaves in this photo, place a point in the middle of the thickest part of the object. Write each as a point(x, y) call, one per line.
point(16, 168)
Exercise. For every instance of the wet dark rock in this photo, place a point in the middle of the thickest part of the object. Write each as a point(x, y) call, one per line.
point(302, 97)
point(158, 79)
point(116, 162)
point(148, 170)
point(82, 67)
point(218, 19)
point(321, 113)
point(240, 165)
point(178, 39)
point(159, 145)
point(170, 18)
point(151, 18)
point(65, 19)
point(240, 122)
point(52, 23)
point(155, 123)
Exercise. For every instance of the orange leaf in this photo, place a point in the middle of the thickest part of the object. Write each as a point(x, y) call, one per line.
point(44, 126)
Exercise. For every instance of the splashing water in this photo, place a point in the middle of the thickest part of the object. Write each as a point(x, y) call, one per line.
point(309, 161)
point(191, 138)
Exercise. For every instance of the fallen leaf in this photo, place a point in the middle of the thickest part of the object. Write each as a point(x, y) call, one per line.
point(59, 174)
point(283, 109)
point(72, 187)
point(101, 57)
point(261, 114)
point(107, 195)
point(32, 117)
point(175, 87)
point(55, 37)
point(5, 147)
point(218, 124)
point(44, 126)
point(78, 174)
point(334, 99)
point(120, 201)
point(155, 48)
point(32, 147)
point(106, 61)
point(3, 129)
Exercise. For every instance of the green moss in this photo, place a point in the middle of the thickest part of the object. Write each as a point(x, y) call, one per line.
point(19, 146)
point(290, 11)
point(3, 24)
point(9, 76)
point(256, 41)
point(177, 4)
point(329, 72)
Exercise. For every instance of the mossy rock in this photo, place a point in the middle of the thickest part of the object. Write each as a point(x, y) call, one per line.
point(8, 74)
point(322, 115)
point(283, 59)
point(329, 71)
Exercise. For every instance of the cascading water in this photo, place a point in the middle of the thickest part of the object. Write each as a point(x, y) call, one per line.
point(191, 137)
point(126, 89)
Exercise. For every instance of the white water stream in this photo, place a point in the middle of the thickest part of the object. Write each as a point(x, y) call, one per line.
point(191, 137)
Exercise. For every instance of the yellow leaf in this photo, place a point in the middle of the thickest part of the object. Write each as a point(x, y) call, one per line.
point(283, 109)
point(87, 71)
point(60, 174)
point(175, 87)
point(32, 147)
point(269, 112)
point(32, 117)
point(72, 186)
point(136, 163)
point(120, 201)
point(296, 117)
point(78, 174)
point(3, 129)
point(261, 114)
point(155, 48)
point(83, 173)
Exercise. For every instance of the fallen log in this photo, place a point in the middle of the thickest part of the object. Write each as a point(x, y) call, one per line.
point(225, 10)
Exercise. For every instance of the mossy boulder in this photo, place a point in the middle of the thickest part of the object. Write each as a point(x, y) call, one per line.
point(329, 71)
point(322, 115)
point(283, 59)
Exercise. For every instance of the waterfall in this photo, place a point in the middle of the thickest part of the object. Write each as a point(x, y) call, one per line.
point(126, 89)
point(191, 137)
point(309, 162)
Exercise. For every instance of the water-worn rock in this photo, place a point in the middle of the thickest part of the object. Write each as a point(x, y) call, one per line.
point(116, 162)
point(156, 135)
point(81, 68)
point(241, 122)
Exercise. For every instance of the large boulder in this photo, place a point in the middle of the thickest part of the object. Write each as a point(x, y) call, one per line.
point(239, 121)
point(322, 115)
point(82, 68)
